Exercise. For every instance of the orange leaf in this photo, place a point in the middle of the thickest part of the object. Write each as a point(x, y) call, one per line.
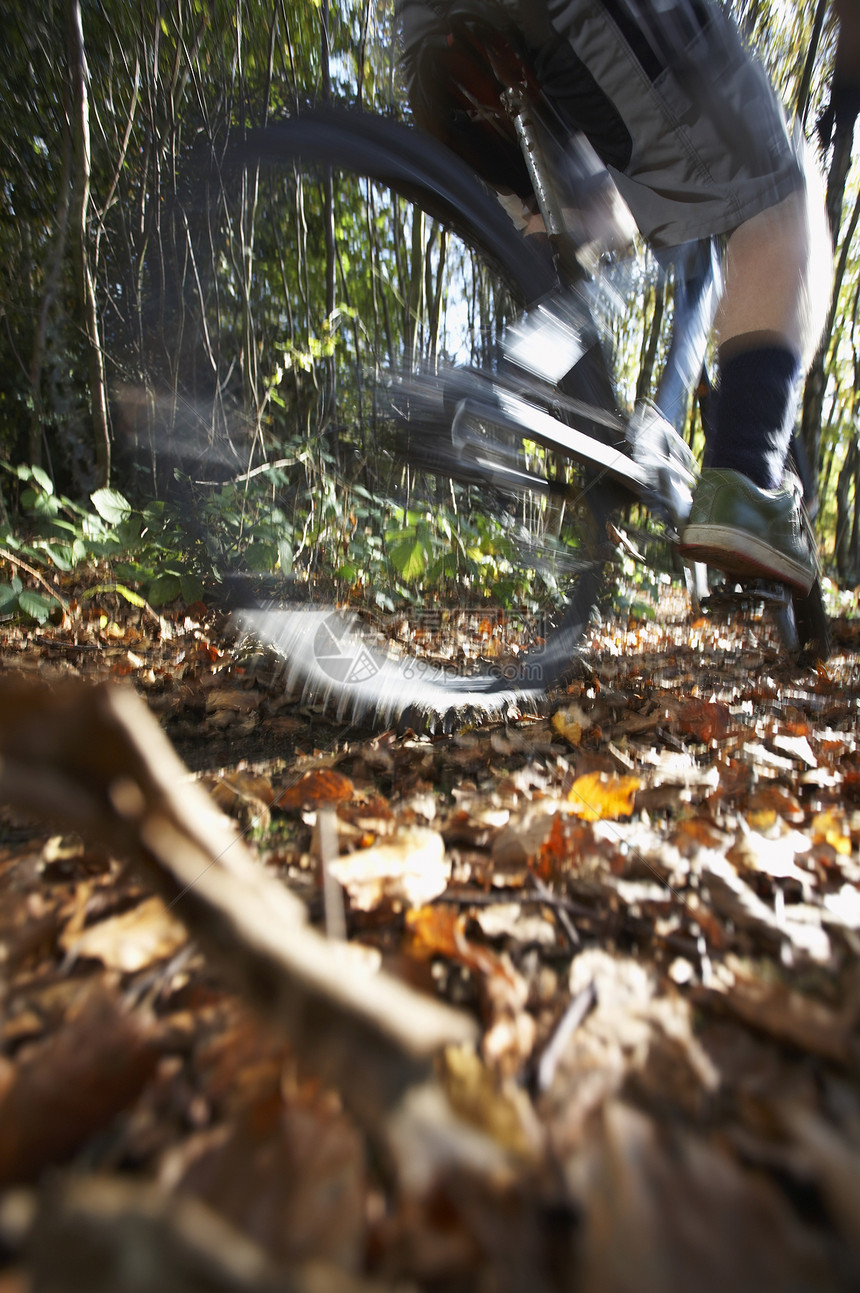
point(553, 850)
point(829, 828)
point(320, 786)
point(599, 797)
point(436, 930)
point(703, 720)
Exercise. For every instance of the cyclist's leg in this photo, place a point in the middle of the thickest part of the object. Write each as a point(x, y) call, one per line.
point(712, 155)
point(777, 287)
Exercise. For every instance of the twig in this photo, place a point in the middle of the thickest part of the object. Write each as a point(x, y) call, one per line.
point(335, 917)
point(34, 574)
point(580, 1006)
point(563, 915)
point(479, 898)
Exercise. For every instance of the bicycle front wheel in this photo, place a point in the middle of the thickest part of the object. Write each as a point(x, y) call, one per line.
point(324, 254)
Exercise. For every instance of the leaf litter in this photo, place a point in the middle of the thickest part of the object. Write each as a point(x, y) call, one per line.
point(638, 919)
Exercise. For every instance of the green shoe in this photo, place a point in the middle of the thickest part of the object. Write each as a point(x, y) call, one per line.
point(744, 530)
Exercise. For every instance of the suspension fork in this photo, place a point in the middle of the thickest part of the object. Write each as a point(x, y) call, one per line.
point(517, 104)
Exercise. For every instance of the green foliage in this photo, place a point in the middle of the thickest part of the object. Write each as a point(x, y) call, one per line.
point(55, 533)
point(231, 326)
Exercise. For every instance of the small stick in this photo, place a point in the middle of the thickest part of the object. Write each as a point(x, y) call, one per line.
point(335, 918)
point(34, 574)
point(580, 1006)
point(563, 916)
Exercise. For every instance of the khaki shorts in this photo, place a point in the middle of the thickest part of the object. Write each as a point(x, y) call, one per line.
point(709, 142)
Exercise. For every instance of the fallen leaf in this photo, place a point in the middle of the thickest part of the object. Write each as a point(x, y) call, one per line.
point(319, 786)
point(570, 723)
point(508, 920)
point(411, 868)
point(509, 1029)
point(645, 1191)
point(598, 796)
point(522, 840)
point(768, 801)
point(797, 746)
point(70, 1086)
point(702, 720)
point(829, 828)
point(233, 698)
point(130, 941)
point(790, 1016)
point(306, 1162)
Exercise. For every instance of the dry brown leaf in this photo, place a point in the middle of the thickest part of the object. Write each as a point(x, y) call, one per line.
point(703, 721)
point(237, 699)
point(290, 1174)
point(319, 786)
point(131, 941)
point(410, 868)
point(70, 1086)
point(667, 1212)
point(522, 840)
point(791, 1017)
point(768, 801)
point(509, 1036)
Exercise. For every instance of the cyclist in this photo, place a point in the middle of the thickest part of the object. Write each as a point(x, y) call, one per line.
point(690, 130)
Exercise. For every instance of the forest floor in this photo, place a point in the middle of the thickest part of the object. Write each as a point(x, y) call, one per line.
point(641, 910)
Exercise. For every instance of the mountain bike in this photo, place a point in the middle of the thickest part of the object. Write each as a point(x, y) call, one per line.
point(538, 418)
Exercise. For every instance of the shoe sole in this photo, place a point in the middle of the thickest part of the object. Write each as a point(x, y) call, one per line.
point(717, 545)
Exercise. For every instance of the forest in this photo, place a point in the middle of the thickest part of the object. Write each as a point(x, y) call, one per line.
point(556, 994)
point(190, 360)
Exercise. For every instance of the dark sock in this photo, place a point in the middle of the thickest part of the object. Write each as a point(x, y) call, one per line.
point(756, 403)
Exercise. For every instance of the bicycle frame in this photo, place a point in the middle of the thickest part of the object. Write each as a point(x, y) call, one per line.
point(655, 464)
point(643, 453)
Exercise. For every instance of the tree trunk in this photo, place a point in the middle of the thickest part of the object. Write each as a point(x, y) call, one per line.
point(85, 285)
point(650, 342)
point(329, 230)
point(816, 379)
point(52, 279)
point(845, 548)
point(838, 123)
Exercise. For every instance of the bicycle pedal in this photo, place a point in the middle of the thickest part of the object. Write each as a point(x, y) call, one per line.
point(756, 595)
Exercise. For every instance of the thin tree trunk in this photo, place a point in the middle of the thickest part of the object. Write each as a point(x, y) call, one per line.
point(52, 280)
point(816, 380)
point(328, 218)
point(645, 380)
point(80, 129)
point(838, 123)
point(811, 56)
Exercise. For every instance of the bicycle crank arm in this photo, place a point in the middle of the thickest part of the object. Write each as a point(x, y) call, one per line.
point(775, 598)
point(509, 413)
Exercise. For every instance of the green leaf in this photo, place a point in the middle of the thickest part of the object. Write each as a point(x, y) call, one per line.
point(133, 598)
point(191, 587)
point(409, 559)
point(42, 478)
point(166, 588)
point(60, 554)
point(39, 502)
point(8, 599)
point(261, 557)
point(36, 605)
point(111, 505)
point(285, 556)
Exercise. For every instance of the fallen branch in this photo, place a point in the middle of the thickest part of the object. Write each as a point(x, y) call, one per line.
point(95, 760)
point(6, 555)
